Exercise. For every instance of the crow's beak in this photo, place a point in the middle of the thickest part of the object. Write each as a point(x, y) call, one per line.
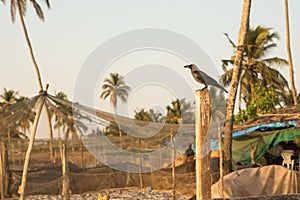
point(187, 66)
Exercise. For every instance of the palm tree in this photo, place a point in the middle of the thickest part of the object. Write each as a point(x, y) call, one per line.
point(256, 67)
point(113, 129)
point(234, 86)
point(155, 116)
point(115, 87)
point(56, 111)
point(180, 112)
point(148, 116)
point(142, 114)
point(218, 105)
point(64, 118)
point(21, 7)
point(25, 116)
point(9, 97)
point(289, 53)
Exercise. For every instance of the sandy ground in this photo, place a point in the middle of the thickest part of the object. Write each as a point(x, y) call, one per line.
point(112, 195)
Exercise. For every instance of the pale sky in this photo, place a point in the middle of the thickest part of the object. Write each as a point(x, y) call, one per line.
point(74, 29)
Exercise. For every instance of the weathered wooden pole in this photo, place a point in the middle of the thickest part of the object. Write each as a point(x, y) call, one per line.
point(173, 165)
point(81, 153)
point(50, 132)
point(140, 164)
point(5, 168)
point(1, 175)
point(203, 178)
point(95, 151)
point(65, 185)
point(221, 158)
point(30, 145)
point(13, 155)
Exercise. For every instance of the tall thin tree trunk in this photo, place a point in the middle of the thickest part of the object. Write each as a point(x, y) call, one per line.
point(30, 47)
point(234, 86)
point(289, 53)
point(50, 132)
point(30, 145)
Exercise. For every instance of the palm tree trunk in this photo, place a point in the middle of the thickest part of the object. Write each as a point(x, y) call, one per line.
point(50, 132)
point(30, 47)
point(30, 145)
point(116, 113)
point(289, 53)
point(234, 86)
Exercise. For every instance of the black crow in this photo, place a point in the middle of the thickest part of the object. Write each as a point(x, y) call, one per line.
point(203, 78)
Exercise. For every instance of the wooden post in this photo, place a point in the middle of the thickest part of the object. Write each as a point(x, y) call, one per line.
point(30, 145)
point(221, 158)
point(20, 152)
point(5, 168)
point(203, 178)
point(140, 165)
point(81, 152)
point(173, 166)
point(95, 152)
point(1, 175)
point(65, 185)
point(13, 156)
point(50, 132)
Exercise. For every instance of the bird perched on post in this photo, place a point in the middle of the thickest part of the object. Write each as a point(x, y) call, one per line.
point(203, 78)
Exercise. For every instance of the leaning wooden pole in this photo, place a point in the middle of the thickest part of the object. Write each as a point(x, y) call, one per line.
point(140, 164)
point(30, 145)
point(221, 159)
point(173, 166)
point(5, 169)
point(66, 186)
point(203, 178)
point(50, 132)
point(1, 175)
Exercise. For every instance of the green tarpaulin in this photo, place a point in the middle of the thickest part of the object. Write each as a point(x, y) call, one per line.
point(265, 140)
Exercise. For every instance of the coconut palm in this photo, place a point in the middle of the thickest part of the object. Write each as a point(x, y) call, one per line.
point(218, 105)
point(156, 116)
point(25, 116)
point(8, 97)
point(20, 6)
point(289, 53)
point(73, 126)
point(66, 120)
point(235, 78)
point(112, 129)
point(142, 114)
point(256, 67)
point(179, 112)
point(58, 111)
point(115, 88)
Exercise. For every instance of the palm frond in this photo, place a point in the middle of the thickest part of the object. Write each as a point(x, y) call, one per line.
point(275, 61)
point(38, 10)
point(48, 3)
point(13, 7)
point(230, 41)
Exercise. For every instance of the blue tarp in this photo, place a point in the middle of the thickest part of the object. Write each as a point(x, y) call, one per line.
point(264, 127)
